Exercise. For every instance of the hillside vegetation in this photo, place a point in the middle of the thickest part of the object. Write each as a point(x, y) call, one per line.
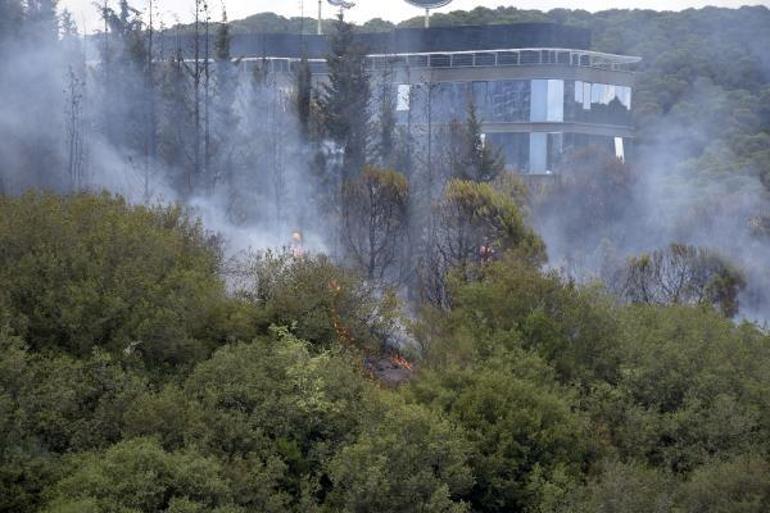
point(132, 381)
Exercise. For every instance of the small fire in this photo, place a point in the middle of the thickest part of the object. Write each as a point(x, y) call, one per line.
point(343, 333)
point(400, 361)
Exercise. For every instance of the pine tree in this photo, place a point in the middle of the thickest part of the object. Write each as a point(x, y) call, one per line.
point(224, 119)
point(304, 98)
point(386, 146)
point(124, 64)
point(176, 127)
point(41, 21)
point(477, 161)
point(11, 16)
point(346, 98)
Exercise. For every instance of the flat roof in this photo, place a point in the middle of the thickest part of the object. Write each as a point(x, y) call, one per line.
point(468, 38)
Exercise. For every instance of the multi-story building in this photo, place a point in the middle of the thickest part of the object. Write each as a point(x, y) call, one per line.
point(538, 88)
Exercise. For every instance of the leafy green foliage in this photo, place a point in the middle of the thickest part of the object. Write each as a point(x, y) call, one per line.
point(525, 438)
point(473, 215)
point(405, 460)
point(320, 302)
point(138, 475)
point(92, 271)
point(736, 486)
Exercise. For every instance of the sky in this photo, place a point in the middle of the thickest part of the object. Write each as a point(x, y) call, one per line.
point(393, 10)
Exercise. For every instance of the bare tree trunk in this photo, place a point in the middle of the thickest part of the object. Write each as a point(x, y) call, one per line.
point(150, 129)
point(195, 174)
point(206, 102)
point(74, 129)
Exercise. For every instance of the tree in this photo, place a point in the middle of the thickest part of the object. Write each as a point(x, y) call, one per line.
point(176, 130)
point(275, 412)
point(591, 200)
point(11, 16)
point(474, 159)
point(475, 224)
point(476, 221)
point(304, 96)
point(525, 440)
point(738, 485)
point(682, 274)
point(41, 21)
point(629, 488)
point(335, 306)
point(92, 271)
point(375, 221)
point(387, 144)
point(224, 119)
point(138, 475)
point(346, 98)
point(75, 129)
point(406, 460)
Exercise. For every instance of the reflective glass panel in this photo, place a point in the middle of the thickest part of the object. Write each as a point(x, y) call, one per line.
point(547, 100)
point(507, 101)
point(597, 103)
point(539, 104)
point(402, 98)
point(538, 152)
point(514, 148)
point(555, 106)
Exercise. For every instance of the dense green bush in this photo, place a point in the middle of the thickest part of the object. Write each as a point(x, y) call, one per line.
point(92, 271)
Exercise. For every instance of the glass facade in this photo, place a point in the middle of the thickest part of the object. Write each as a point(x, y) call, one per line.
point(597, 103)
point(524, 101)
point(541, 152)
point(499, 101)
point(511, 101)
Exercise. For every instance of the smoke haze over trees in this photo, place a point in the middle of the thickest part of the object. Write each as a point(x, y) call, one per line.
point(225, 289)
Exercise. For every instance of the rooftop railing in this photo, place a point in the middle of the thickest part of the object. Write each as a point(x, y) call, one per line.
point(472, 59)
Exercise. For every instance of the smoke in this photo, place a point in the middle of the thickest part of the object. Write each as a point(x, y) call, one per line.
point(56, 115)
point(260, 186)
point(678, 191)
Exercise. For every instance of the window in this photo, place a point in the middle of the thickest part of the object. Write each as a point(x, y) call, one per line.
point(597, 103)
point(555, 150)
point(555, 108)
point(402, 98)
point(547, 100)
point(620, 151)
point(507, 101)
point(480, 91)
point(514, 147)
point(538, 152)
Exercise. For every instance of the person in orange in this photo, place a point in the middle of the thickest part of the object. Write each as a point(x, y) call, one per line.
point(297, 249)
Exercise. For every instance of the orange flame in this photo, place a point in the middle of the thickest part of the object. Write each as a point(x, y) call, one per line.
point(342, 331)
point(400, 361)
